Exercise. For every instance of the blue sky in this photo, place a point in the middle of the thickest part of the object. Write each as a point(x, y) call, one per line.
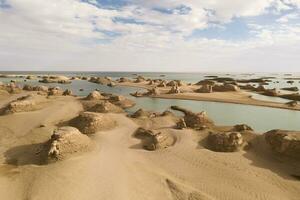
point(150, 35)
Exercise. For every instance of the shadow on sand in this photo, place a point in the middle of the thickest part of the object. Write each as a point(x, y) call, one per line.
point(32, 154)
point(262, 156)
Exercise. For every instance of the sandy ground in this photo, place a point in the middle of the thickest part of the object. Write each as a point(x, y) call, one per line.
point(119, 169)
point(241, 97)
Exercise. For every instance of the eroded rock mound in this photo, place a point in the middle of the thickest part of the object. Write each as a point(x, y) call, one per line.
point(95, 95)
point(225, 142)
point(65, 142)
point(242, 127)
point(23, 104)
point(174, 90)
point(205, 89)
point(106, 107)
point(284, 142)
point(121, 101)
point(55, 91)
point(181, 124)
point(226, 88)
point(154, 140)
point(141, 113)
point(100, 80)
point(56, 79)
point(195, 120)
point(90, 122)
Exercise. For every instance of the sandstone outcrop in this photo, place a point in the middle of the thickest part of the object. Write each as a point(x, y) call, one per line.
point(65, 142)
point(195, 120)
point(226, 88)
point(121, 101)
point(106, 107)
point(56, 79)
point(95, 95)
point(205, 89)
point(90, 122)
point(225, 142)
point(23, 104)
point(154, 140)
point(174, 90)
point(242, 127)
point(284, 142)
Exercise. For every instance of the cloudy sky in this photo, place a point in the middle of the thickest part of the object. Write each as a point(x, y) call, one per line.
point(150, 35)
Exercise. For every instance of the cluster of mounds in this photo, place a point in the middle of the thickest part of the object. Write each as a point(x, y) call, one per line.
point(96, 97)
point(10, 88)
point(91, 122)
point(50, 91)
point(155, 139)
point(102, 80)
point(284, 142)
point(66, 141)
point(232, 80)
point(41, 88)
point(24, 104)
point(209, 86)
point(55, 79)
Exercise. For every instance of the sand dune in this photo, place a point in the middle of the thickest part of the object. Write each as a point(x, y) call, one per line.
point(118, 168)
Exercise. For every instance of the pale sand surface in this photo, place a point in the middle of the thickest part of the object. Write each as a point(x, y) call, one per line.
point(223, 97)
point(119, 169)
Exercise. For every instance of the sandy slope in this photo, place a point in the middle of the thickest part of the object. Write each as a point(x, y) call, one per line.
point(119, 169)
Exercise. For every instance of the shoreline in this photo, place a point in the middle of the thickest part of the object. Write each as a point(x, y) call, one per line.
point(240, 98)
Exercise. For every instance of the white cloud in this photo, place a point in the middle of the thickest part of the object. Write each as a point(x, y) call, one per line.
point(71, 33)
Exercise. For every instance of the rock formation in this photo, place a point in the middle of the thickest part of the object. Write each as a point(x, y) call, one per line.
point(23, 104)
point(141, 113)
point(154, 140)
point(226, 88)
point(106, 107)
point(225, 142)
point(284, 142)
point(124, 80)
point(55, 91)
point(271, 92)
point(293, 89)
point(181, 124)
point(67, 92)
point(195, 120)
point(90, 122)
point(206, 82)
point(174, 90)
point(205, 89)
point(242, 127)
point(162, 84)
point(121, 101)
point(56, 79)
point(65, 142)
point(95, 95)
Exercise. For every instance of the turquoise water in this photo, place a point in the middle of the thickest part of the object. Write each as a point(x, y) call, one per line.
point(260, 118)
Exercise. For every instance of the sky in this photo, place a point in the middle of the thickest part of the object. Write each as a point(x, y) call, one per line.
point(150, 35)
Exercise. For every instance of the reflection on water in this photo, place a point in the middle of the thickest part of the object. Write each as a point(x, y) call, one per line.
point(260, 118)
